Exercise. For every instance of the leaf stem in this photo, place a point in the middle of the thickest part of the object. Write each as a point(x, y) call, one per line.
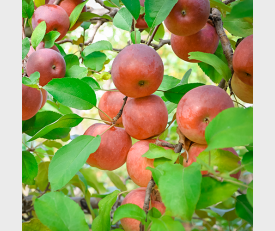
point(107, 129)
point(103, 112)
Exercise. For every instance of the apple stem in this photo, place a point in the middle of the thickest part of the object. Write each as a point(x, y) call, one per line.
point(114, 120)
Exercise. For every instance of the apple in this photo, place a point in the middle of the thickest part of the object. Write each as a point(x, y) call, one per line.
point(111, 103)
point(145, 117)
point(206, 40)
point(188, 17)
point(196, 149)
point(136, 164)
point(114, 147)
point(137, 71)
point(49, 63)
point(31, 102)
point(243, 60)
point(137, 197)
point(68, 6)
point(243, 91)
point(55, 17)
point(41, 46)
point(141, 24)
point(44, 96)
point(198, 107)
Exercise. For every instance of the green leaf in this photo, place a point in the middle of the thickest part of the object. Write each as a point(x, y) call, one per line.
point(166, 223)
point(117, 181)
point(85, 16)
point(66, 121)
point(130, 211)
point(156, 173)
point(39, 3)
point(236, 131)
point(85, 25)
point(34, 225)
point(38, 34)
point(180, 189)
point(52, 144)
point(95, 60)
point(32, 81)
point(67, 214)
point(103, 221)
point(97, 46)
point(159, 34)
point(168, 82)
point(249, 193)
point(72, 93)
point(213, 191)
point(237, 26)
point(92, 83)
point(175, 94)
point(91, 178)
point(225, 161)
point(27, 9)
point(71, 60)
point(244, 209)
point(57, 107)
point(248, 161)
point(29, 168)
point(71, 157)
point(185, 78)
point(76, 12)
point(77, 72)
point(133, 6)
point(25, 47)
point(156, 11)
point(50, 38)
point(123, 19)
point(242, 9)
point(170, 106)
point(61, 50)
point(135, 37)
point(220, 6)
point(41, 179)
point(220, 66)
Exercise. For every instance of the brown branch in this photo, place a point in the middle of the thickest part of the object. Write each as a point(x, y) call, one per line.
point(228, 1)
point(153, 35)
point(64, 41)
point(100, 2)
point(120, 111)
point(96, 27)
point(158, 46)
point(165, 144)
point(56, 2)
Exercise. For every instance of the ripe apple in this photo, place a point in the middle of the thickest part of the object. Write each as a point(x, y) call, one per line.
point(206, 40)
point(188, 17)
point(196, 149)
point(243, 91)
point(31, 101)
point(111, 102)
point(243, 60)
point(55, 17)
point(141, 24)
point(198, 107)
point(137, 197)
point(41, 46)
point(49, 63)
point(68, 6)
point(44, 96)
point(145, 117)
point(136, 164)
point(114, 147)
point(137, 71)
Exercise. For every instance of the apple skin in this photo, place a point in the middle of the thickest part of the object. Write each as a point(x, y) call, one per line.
point(243, 60)
point(196, 15)
point(49, 63)
point(198, 107)
point(243, 91)
point(31, 101)
point(111, 102)
point(137, 71)
point(136, 164)
point(206, 40)
point(68, 6)
point(55, 17)
point(114, 147)
point(137, 197)
point(44, 97)
point(41, 46)
point(145, 117)
point(196, 149)
point(141, 24)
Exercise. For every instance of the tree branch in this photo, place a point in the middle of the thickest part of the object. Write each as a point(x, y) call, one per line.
point(100, 2)
point(153, 35)
point(56, 2)
point(158, 46)
point(228, 1)
point(120, 111)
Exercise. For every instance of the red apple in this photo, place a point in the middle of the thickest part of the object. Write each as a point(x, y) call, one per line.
point(196, 149)
point(136, 164)
point(243, 60)
point(41, 46)
point(55, 17)
point(137, 197)
point(145, 117)
point(141, 24)
point(49, 63)
point(198, 107)
point(114, 147)
point(137, 71)
point(188, 17)
point(31, 102)
point(111, 102)
point(206, 40)
point(243, 91)
point(44, 96)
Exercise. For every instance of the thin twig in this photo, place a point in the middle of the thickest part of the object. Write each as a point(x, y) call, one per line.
point(165, 144)
point(120, 111)
point(57, 2)
point(100, 2)
point(95, 28)
point(228, 1)
point(153, 35)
